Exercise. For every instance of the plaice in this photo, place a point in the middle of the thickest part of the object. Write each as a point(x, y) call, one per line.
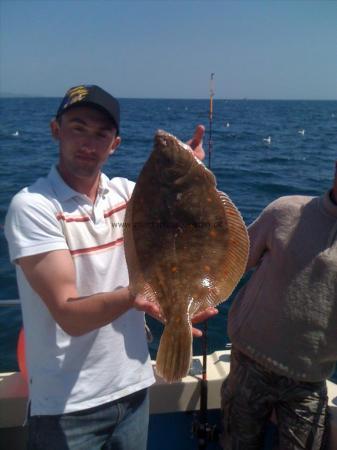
point(186, 245)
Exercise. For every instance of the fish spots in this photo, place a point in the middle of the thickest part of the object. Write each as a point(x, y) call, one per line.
point(174, 269)
point(213, 234)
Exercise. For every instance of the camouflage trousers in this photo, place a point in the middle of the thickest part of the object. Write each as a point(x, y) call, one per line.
point(251, 393)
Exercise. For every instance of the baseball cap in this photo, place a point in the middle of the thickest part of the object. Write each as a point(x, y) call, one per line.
point(91, 95)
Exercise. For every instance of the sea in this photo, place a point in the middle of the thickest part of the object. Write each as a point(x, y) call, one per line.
point(260, 150)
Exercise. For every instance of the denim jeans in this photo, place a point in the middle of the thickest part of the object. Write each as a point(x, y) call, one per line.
point(118, 425)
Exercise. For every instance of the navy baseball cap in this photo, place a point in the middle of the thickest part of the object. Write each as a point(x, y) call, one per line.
point(91, 95)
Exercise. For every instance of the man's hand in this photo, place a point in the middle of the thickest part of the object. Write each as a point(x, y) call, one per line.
point(142, 304)
point(196, 142)
point(201, 317)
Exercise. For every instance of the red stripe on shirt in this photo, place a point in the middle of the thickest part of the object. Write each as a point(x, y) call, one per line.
point(81, 251)
point(61, 216)
point(114, 210)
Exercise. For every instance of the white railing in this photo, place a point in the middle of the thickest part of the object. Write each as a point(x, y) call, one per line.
point(11, 302)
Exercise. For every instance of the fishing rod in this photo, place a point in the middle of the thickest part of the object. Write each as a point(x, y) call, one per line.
point(205, 432)
point(210, 142)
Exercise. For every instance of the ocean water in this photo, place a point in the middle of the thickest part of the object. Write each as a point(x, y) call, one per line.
point(249, 168)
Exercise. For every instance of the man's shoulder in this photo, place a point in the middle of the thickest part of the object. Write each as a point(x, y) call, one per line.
point(121, 186)
point(36, 194)
point(287, 209)
point(121, 181)
point(290, 202)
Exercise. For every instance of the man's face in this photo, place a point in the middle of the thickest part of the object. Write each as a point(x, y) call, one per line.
point(87, 137)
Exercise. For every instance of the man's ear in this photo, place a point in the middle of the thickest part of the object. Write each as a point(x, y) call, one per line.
point(116, 143)
point(55, 129)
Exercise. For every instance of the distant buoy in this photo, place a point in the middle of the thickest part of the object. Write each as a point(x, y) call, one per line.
point(227, 125)
point(21, 355)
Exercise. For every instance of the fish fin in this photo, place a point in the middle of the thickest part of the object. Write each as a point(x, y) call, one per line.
point(151, 296)
point(210, 299)
point(136, 281)
point(149, 293)
point(238, 249)
point(175, 352)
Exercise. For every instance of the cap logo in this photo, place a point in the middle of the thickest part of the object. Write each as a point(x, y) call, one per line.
point(75, 95)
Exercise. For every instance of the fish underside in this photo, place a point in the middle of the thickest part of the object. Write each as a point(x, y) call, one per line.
point(186, 245)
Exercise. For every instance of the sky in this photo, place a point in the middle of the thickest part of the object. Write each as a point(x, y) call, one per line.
point(265, 49)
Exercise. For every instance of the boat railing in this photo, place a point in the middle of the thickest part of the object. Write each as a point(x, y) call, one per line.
point(10, 302)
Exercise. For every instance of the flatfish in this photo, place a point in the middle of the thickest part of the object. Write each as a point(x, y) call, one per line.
point(186, 245)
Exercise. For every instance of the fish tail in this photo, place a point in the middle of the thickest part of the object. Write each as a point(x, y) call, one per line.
point(174, 352)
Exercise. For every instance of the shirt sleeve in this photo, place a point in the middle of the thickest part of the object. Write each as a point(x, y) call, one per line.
point(260, 235)
point(31, 226)
point(129, 187)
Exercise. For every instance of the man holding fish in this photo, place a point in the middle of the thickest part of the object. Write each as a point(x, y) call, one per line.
point(87, 356)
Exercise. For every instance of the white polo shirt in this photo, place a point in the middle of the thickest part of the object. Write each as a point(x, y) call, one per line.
point(74, 373)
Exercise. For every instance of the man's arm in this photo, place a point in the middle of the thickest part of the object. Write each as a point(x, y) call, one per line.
point(260, 235)
point(52, 276)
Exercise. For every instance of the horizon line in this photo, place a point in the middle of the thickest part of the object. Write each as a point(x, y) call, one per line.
point(9, 95)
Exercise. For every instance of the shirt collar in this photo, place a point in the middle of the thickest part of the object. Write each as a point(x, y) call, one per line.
point(103, 187)
point(65, 192)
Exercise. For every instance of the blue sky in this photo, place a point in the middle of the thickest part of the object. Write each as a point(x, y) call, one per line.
point(168, 48)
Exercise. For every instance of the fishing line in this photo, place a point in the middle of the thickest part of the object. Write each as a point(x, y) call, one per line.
point(210, 143)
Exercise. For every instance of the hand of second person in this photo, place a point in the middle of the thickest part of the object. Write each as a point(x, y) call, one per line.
point(201, 317)
point(196, 142)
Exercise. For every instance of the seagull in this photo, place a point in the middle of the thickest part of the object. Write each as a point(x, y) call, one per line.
point(16, 133)
point(302, 131)
point(267, 140)
point(227, 124)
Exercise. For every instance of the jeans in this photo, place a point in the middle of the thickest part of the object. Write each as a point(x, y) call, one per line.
point(118, 425)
